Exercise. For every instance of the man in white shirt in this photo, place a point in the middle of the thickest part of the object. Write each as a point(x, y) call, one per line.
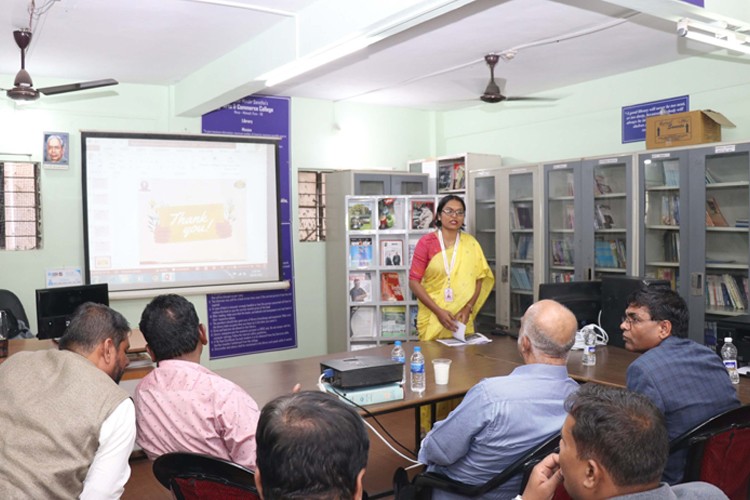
point(69, 433)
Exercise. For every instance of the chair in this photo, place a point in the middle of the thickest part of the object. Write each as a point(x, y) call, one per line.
point(10, 302)
point(191, 476)
point(423, 483)
point(718, 452)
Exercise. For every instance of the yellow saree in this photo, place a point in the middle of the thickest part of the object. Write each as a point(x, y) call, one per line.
point(470, 266)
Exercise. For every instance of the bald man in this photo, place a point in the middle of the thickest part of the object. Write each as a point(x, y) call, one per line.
point(501, 418)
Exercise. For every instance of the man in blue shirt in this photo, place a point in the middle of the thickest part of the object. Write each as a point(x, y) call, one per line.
point(501, 418)
point(685, 380)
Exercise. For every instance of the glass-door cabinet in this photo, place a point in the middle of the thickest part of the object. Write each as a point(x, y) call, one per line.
point(721, 256)
point(483, 217)
point(562, 214)
point(612, 213)
point(518, 277)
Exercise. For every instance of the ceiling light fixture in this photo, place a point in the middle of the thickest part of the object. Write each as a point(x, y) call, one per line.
point(719, 35)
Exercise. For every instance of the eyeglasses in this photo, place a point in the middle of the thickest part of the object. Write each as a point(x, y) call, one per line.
point(450, 212)
point(635, 320)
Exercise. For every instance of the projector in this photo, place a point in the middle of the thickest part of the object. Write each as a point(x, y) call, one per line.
point(363, 371)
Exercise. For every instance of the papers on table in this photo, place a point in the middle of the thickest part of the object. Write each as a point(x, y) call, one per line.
point(460, 337)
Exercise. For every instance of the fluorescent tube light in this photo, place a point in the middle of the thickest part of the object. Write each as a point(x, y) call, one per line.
point(718, 36)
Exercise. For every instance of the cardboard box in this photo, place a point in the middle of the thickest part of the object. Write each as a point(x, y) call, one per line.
point(685, 129)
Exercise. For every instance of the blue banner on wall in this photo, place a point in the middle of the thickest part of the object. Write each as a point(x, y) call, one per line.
point(250, 322)
point(699, 3)
point(634, 117)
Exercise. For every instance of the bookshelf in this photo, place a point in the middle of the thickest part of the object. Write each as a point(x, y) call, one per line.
point(589, 218)
point(696, 206)
point(375, 305)
point(450, 173)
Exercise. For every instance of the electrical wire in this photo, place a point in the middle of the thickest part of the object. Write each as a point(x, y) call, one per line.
point(369, 414)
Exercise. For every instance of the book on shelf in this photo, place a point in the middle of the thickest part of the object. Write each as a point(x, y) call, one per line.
point(667, 273)
point(392, 253)
point(390, 213)
point(360, 252)
point(390, 287)
point(360, 287)
point(362, 322)
point(393, 321)
point(713, 212)
point(603, 217)
point(523, 216)
point(671, 173)
point(360, 215)
point(445, 178)
point(569, 217)
point(670, 210)
point(601, 185)
point(422, 214)
point(459, 175)
point(570, 184)
point(524, 247)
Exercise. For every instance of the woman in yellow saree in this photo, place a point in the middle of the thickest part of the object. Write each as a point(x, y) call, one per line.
point(449, 274)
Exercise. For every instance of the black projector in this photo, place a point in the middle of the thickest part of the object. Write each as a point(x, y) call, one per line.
point(363, 371)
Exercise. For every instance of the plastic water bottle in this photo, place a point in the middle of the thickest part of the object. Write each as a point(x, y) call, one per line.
point(589, 348)
point(417, 371)
point(729, 355)
point(399, 356)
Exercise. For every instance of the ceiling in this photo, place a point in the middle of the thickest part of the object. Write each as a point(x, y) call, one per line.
point(436, 64)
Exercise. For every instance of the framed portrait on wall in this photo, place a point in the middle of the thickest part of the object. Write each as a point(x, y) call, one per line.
point(56, 150)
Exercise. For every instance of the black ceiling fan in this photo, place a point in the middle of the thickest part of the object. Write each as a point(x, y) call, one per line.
point(492, 93)
point(23, 88)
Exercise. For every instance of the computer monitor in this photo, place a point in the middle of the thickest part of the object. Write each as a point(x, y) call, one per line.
point(55, 306)
point(583, 298)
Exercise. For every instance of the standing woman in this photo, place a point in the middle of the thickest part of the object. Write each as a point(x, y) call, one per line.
point(449, 274)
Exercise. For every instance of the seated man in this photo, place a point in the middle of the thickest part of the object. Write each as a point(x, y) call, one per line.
point(310, 446)
point(685, 380)
point(182, 406)
point(501, 418)
point(68, 430)
point(614, 445)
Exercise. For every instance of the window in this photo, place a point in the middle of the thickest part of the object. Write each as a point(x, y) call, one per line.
point(312, 205)
point(20, 217)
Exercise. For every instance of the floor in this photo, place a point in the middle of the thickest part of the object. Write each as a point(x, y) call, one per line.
point(378, 478)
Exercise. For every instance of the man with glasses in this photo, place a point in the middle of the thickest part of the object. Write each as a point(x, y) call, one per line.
point(685, 380)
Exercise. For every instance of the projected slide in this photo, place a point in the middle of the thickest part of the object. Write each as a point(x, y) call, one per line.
point(174, 211)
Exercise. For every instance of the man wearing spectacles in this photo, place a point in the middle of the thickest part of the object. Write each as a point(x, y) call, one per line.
point(685, 380)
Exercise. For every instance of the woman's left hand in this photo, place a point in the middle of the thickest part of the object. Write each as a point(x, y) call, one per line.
point(464, 314)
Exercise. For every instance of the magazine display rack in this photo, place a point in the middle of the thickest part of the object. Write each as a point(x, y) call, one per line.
point(373, 296)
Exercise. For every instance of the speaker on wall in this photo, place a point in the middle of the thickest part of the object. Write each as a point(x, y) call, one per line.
point(615, 292)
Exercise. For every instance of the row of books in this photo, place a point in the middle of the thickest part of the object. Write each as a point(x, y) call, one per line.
point(727, 290)
point(670, 210)
point(562, 252)
point(362, 322)
point(521, 278)
point(714, 217)
point(667, 273)
point(523, 216)
point(524, 247)
point(671, 246)
point(451, 177)
point(390, 214)
point(610, 253)
point(561, 277)
point(361, 252)
point(360, 287)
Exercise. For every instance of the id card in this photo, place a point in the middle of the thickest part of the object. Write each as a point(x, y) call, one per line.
point(449, 295)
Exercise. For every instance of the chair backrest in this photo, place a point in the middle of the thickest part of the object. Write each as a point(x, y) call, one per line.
point(193, 476)
point(10, 302)
point(718, 452)
point(523, 465)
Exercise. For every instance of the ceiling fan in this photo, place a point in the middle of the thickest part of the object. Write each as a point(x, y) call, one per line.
point(492, 93)
point(23, 88)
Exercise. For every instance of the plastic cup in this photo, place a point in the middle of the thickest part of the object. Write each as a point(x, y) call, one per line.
point(442, 370)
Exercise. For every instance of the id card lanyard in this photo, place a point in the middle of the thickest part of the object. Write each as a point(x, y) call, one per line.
point(448, 270)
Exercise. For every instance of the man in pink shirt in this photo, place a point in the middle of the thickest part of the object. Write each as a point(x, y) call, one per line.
point(182, 406)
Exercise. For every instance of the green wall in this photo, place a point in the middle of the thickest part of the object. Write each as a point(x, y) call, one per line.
point(372, 136)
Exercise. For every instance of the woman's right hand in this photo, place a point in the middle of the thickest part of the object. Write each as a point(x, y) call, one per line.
point(447, 320)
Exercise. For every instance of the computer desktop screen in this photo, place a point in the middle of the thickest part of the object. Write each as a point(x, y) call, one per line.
point(583, 298)
point(55, 306)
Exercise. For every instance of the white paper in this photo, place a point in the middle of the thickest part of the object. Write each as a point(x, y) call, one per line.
point(460, 333)
point(474, 339)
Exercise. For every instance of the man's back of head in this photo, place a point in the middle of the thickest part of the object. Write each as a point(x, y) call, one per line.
point(310, 445)
point(549, 328)
point(91, 325)
point(170, 326)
